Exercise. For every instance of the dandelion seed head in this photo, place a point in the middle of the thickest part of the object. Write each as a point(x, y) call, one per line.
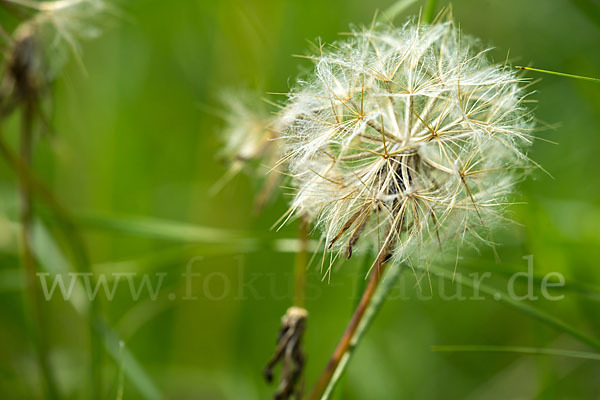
point(249, 128)
point(41, 44)
point(250, 144)
point(408, 138)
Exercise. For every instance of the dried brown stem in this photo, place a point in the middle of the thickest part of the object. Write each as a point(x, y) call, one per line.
point(290, 354)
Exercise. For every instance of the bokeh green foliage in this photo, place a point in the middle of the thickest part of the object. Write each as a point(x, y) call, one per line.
point(137, 135)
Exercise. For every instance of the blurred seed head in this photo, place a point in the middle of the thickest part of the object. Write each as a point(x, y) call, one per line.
point(249, 129)
point(41, 44)
point(250, 143)
point(406, 138)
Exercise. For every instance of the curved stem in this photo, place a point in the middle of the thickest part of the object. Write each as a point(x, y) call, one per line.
point(354, 330)
point(31, 184)
point(380, 295)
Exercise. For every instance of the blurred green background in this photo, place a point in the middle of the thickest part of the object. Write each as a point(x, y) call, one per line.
point(137, 136)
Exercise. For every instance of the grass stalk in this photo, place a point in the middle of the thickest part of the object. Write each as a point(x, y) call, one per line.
point(28, 261)
point(29, 185)
point(520, 306)
point(545, 71)
point(361, 319)
point(120, 375)
point(429, 12)
point(378, 298)
point(586, 355)
point(47, 252)
point(375, 298)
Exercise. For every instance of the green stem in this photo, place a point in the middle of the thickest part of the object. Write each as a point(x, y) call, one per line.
point(369, 303)
point(519, 350)
point(378, 299)
point(31, 184)
point(362, 274)
point(544, 71)
point(520, 306)
point(429, 12)
point(37, 307)
point(358, 292)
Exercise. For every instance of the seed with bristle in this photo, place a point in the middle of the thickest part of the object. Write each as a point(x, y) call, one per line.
point(406, 136)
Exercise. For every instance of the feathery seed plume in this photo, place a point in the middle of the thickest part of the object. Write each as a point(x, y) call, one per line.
point(250, 135)
point(408, 137)
point(41, 44)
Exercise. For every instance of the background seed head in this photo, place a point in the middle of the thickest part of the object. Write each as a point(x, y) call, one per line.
point(250, 143)
point(42, 43)
point(249, 130)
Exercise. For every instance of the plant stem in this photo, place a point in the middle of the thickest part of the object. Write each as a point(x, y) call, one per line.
point(40, 338)
point(545, 71)
point(29, 184)
point(300, 266)
point(361, 319)
point(382, 292)
point(363, 272)
point(429, 12)
point(586, 355)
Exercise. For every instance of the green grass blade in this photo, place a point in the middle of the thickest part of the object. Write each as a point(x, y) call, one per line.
point(52, 260)
point(390, 13)
point(517, 349)
point(429, 12)
point(386, 285)
point(585, 290)
point(158, 228)
point(155, 228)
point(520, 306)
point(362, 277)
point(544, 71)
point(120, 375)
point(131, 367)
